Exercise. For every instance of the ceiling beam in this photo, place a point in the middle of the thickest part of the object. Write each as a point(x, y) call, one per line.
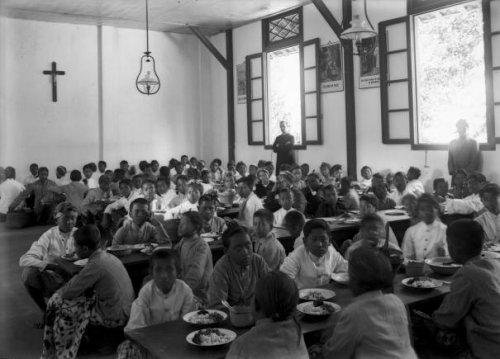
point(328, 16)
point(206, 41)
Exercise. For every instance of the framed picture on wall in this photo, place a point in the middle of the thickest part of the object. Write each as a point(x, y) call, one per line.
point(369, 68)
point(242, 87)
point(330, 68)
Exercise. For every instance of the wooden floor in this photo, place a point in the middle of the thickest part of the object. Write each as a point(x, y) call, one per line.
point(18, 337)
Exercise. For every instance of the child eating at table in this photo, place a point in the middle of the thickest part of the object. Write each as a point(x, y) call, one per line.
point(371, 234)
point(165, 195)
point(285, 200)
point(137, 183)
point(426, 239)
point(312, 264)
point(265, 242)
point(366, 178)
point(194, 192)
point(163, 299)
point(195, 255)
point(414, 185)
point(374, 325)
point(211, 223)
point(97, 199)
point(440, 187)
point(139, 229)
point(181, 183)
point(328, 206)
point(276, 334)
point(489, 218)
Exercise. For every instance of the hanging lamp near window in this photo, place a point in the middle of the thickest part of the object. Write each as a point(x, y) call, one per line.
point(147, 81)
point(361, 32)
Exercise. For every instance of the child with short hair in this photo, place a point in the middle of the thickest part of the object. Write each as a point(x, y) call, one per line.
point(366, 178)
point(440, 186)
point(181, 182)
point(250, 202)
point(298, 182)
point(241, 170)
point(101, 165)
point(265, 242)
point(350, 197)
point(97, 198)
point(211, 223)
point(328, 206)
point(399, 190)
point(194, 192)
point(426, 239)
point(75, 191)
point(414, 185)
point(137, 184)
point(61, 179)
point(139, 229)
point(384, 201)
point(164, 298)
point(489, 217)
point(89, 179)
point(294, 222)
point(164, 195)
point(324, 170)
point(285, 200)
point(216, 172)
point(205, 181)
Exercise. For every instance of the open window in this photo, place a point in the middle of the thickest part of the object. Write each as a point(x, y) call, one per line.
point(283, 84)
point(437, 67)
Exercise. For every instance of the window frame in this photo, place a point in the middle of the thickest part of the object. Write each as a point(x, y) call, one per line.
point(414, 7)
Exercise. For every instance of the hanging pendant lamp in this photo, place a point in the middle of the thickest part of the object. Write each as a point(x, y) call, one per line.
point(361, 32)
point(147, 82)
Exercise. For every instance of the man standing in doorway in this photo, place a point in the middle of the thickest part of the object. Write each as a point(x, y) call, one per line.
point(463, 152)
point(283, 147)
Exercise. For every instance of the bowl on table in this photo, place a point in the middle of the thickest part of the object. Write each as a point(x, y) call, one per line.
point(204, 317)
point(120, 250)
point(317, 309)
point(443, 265)
point(310, 294)
point(211, 337)
point(421, 284)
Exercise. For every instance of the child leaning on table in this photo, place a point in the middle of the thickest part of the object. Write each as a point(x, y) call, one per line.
point(163, 299)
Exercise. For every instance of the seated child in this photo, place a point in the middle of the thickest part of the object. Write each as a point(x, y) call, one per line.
point(350, 197)
point(181, 183)
point(298, 182)
point(474, 299)
point(43, 266)
point(139, 230)
point(472, 203)
point(459, 188)
point(165, 195)
point(399, 190)
point(371, 234)
point(305, 170)
point(384, 202)
point(374, 325)
point(312, 264)
point(241, 170)
point(409, 203)
point(328, 206)
point(98, 198)
point(75, 191)
point(414, 185)
point(366, 178)
point(10, 189)
point(489, 218)
point(216, 172)
point(126, 198)
point(285, 200)
point(137, 185)
point(194, 192)
point(61, 178)
point(276, 334)
point(237, 272)
point(250, 204)
point(195, 255)
point(426, 239)
point(326, 178)
point(211, 223)
point(264, 186)
point(440, 187)
point(205, 181)
point(88, 177)
point(311, 195)
point(252, 170)
point(265, 242)
point(69, 310)
point(294, 223)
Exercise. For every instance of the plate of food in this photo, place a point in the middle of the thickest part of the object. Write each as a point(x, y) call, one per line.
point(148, 248)
point(341, 278)
point(120, 249)
point(316, 294)
point(209, 237)
point(395, 213)
point(443, 265)
point(205, 317)
point(318, 308)
point(421, 283)
point(211, 337)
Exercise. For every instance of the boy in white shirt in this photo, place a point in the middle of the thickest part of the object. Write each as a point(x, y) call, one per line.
point(61, 179)
point(312, 264)
point(266, 244)
point(88, 177)
point(414, 185)
point(426, 239)
point(33, 176)
point(194, 192)
point(44, 267)
point(163, 299)
point(250, 204)
point(285, 200)
point(489, 217)
point(165, 195)
point(471, 203)
point(10, 189)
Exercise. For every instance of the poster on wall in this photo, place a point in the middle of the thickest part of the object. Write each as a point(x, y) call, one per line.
point(242, 83)
point(330, 67)
point(369, 72)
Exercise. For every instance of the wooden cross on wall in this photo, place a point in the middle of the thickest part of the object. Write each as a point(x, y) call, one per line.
point(53, 73)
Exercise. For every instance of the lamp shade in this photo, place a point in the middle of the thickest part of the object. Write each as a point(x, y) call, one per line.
point(147, 81)
point(359, 29)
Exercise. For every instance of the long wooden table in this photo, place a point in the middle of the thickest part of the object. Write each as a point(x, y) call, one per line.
point(168, 340)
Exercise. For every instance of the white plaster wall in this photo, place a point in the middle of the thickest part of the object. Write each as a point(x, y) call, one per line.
point(135, 126)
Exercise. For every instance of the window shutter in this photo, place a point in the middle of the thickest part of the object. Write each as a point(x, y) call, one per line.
point(311, 94)
point(495, 63)
point(395, 81)
point(255, 99)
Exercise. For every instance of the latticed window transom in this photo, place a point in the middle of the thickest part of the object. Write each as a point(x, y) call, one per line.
point(284, 27)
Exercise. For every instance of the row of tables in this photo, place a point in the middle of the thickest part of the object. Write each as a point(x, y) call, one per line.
point(168, 340)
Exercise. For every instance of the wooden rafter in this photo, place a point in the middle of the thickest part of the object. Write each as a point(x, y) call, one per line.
point(210, 46)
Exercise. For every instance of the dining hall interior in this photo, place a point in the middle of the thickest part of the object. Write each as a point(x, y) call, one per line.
point(249, 179)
